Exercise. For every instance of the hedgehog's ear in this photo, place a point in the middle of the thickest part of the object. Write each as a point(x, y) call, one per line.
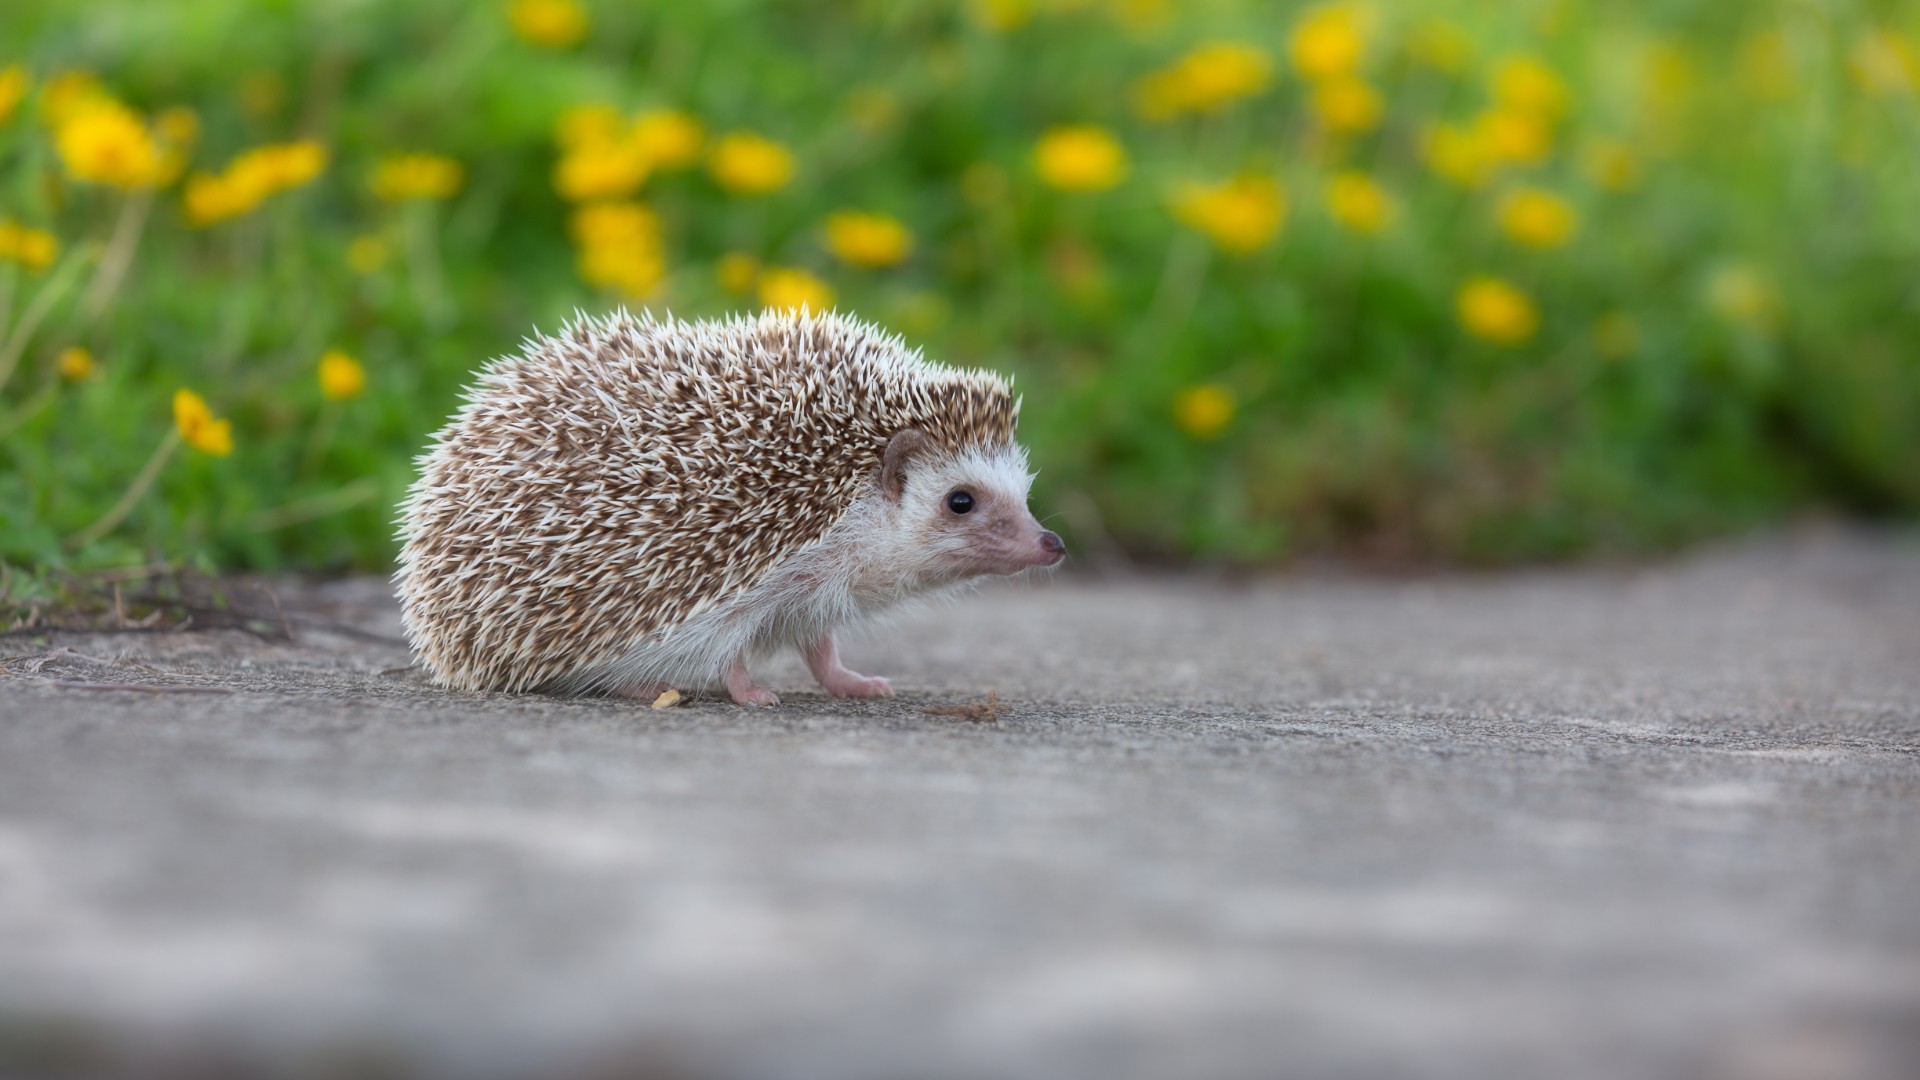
point(893, 464)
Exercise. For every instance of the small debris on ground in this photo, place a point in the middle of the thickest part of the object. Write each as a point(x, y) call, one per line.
point(983, 712)
point(667, 700)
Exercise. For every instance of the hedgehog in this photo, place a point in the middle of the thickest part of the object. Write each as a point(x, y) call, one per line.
point(638, 504)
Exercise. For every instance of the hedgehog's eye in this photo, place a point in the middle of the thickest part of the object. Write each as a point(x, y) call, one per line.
point(960, 501)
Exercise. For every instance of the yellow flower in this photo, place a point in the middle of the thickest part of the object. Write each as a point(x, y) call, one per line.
point(1080, 158)
point(341, 376)
point(1767, 65)
point(1206, 79)
point(583, 125)
point(66, 92)
point(1740, 293)
point(1241, 215)
point(103, 142)
point(785, 288)
point(1616, 336)
point(1455, 154)
point(737, 271)
point(556, 24)
point(367, 254)
point(1442, 46)
point(1525, 84)
point(1204, 411)
point(620, 247)
point(178, 125)
point(1610, 163)
point(668, 138)
point(417, 176)
point(867, 239)
point(749, 164)
point(197, 426)
point(1511, 136)
point(75, 364)
point(1327, 42)
point(1494, 310)
point(1537, 218)
point(1357, 202)
point(1001, 16)
point(601, 170)
point(1883, 63)
point(1347, 106)
point(34, 249)
point(209, 198)
point(250, 178)
point(13, 87)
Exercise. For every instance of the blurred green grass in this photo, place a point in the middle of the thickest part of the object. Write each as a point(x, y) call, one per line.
point(1724, 336)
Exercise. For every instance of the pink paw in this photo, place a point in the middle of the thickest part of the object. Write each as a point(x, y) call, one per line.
point(852, 685)
point(757, 696)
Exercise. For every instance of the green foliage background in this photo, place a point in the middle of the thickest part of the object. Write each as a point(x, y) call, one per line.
point(1366, 419)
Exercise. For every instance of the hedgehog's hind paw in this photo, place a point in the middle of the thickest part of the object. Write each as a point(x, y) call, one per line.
point(740, 687)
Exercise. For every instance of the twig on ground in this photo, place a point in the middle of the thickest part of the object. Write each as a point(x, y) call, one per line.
point(979, 711)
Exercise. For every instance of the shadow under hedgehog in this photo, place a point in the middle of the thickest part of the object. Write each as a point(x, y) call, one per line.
point(637, 504)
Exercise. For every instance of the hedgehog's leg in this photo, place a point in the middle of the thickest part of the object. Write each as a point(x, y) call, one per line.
point(740, 687)
point(646, 691)
point(823, 659)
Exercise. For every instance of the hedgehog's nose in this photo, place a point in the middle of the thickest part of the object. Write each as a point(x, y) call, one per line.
point(1051, 543)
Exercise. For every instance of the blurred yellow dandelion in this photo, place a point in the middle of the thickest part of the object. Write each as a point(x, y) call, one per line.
point(555, 24)
point(1204, 411)
point(1882, 63)
point(250, 178)
point(1512, 136)
point(668, 138)
point(1240, 215)
point(600, 170)
point(1610, 163)
point(736, 271)
point(1495, 311)
point(341, 376)
point(1740, 293)
point(1537, 218)
point(1347, 106)
point(786, 288)
point(32, 248)
point(1452, 152)
point(1441, 45)
point(1001, 16)
point(75, 364)
point(1358, 202)
point(103, 142)
point(582, 125)
point(1327, 42)
point(368, 254)
point(67, 92)
point(1081, 157)
point(620, 247)
point(417, 176)
point(13, 86)
point(1767, 66)
point(1207, 79)
point(197, 425)
point(1526, 84)
point(747, 164)
point(863, 239)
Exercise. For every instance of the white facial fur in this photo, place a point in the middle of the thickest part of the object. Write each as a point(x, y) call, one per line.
point(997, 534)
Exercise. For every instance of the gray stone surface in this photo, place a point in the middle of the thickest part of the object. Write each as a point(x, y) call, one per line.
point(1593, 822)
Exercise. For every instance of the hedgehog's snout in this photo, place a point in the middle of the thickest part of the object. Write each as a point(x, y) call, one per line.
point(1054, 547)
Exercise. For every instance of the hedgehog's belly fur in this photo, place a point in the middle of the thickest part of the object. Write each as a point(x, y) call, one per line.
point(842, 579)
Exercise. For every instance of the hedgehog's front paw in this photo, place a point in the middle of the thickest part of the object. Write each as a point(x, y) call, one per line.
point(849, 684)
point(757, 696)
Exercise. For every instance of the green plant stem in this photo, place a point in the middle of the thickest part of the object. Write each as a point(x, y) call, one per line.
point(148, 474)
point(423, 259)
point(37, 310)
point(127, 230)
